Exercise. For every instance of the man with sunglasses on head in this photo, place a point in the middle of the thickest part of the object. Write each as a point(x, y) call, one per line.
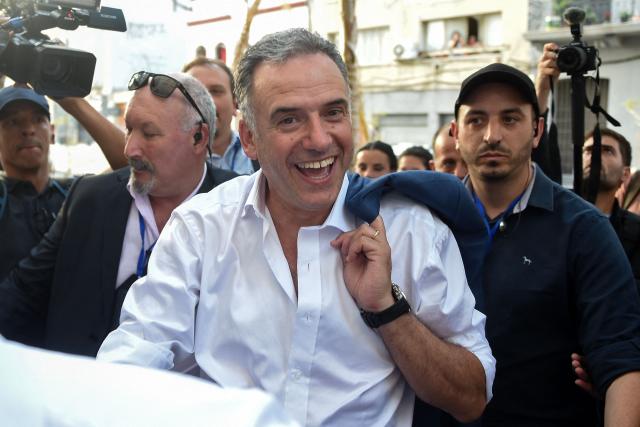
point(67, 294)
point(272, 283)
point(226, 150)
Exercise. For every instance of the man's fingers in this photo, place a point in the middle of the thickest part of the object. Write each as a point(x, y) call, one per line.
point(586, 387)
point(378, 225)
point(581, 374)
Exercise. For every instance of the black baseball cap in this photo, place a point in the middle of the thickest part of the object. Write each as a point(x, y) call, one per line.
point(16, 93)
point(499, 73)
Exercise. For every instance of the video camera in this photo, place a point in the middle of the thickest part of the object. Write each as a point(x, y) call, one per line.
point(577, 57)
point(28, 56)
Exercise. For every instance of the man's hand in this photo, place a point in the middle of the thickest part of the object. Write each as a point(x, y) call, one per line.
point(366, 257)
point(583, 380)
point(547, 68)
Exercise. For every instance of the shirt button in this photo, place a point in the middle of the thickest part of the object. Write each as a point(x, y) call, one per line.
point(307, 317)
point(296, 375)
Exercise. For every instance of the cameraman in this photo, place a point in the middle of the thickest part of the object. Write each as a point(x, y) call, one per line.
point(616, 162)
point(29, 198)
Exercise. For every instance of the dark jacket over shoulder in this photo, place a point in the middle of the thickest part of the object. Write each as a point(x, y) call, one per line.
point(61, 296)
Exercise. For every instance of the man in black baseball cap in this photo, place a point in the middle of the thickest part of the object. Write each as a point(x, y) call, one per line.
point(499, 73)
point(29, 199)
point(556, 279)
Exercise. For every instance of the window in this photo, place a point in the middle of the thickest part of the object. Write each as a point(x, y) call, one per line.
point(409, 128)
point(373, 47)
point(472, 32)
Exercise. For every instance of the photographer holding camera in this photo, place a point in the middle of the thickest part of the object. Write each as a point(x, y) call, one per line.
point(615, 165)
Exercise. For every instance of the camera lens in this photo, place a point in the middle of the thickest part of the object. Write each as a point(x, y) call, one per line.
point(571, 59)
point(55, 69)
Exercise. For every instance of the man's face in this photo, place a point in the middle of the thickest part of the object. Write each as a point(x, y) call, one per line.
point(446, 157)
point(25, 135)
point(303, 133)
point(162, 155)
point(411, 163)
point(613, 171)
point(372, 163)
point(496, 132)
point(217, 83)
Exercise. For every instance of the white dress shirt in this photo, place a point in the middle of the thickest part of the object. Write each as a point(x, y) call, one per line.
point(43, 388)
point(219, 286)
point(132, 241)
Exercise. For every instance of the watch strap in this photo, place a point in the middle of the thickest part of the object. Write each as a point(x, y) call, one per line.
point(400, 307)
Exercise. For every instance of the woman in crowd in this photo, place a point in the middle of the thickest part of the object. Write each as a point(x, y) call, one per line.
point(415, 158)
point(375, 159)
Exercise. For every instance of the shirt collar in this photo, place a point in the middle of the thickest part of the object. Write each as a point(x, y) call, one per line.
point(541, 194)
point(143, 204)
point(233, 146)
point(13, 183)
point(526, 196)
point(339, 217)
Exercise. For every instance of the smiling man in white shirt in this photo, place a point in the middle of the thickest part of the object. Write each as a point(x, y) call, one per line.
point(272, 283)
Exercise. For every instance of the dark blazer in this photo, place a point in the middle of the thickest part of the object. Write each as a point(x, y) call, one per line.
point(61, 296)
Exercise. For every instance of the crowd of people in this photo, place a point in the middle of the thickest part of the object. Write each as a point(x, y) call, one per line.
point(258, 259)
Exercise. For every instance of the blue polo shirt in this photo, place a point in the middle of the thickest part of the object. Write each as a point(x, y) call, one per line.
point(234, 158)
point(557, 281)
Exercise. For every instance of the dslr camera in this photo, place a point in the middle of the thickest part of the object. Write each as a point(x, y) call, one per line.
point(28, 56)
point(576, 58)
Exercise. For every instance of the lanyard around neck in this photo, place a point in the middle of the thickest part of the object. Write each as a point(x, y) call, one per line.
point(492, 230)
point(143, 257)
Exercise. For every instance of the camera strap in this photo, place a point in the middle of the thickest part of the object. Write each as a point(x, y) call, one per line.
point(553, 149)
point(593, 182)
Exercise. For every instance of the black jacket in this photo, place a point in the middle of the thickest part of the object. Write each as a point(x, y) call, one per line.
point(62, 296)
point(627, 227)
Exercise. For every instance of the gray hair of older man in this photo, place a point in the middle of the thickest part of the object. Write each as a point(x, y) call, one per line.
point(203, 100)
point(278, 48)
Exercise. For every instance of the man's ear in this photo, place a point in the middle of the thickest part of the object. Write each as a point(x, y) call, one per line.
point(247, 139)
point(201, 144)
point(626, 175)
point(432, 165)
point(453, 132)
point(537, 131)
point(53, 134)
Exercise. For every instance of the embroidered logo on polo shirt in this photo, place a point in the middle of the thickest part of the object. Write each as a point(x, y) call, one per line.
point(526, 261)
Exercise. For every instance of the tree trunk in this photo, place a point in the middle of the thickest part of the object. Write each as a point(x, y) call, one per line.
point(359, 127)
point(243, 42)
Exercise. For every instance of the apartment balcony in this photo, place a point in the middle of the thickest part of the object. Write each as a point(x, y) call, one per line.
point(429, 70)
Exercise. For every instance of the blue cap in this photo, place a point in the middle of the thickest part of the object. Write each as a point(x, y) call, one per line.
point(13, 93)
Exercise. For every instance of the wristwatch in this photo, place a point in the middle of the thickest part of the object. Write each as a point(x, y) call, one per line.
point(400, 307)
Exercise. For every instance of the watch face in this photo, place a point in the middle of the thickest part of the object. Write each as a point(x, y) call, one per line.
point(397, 292)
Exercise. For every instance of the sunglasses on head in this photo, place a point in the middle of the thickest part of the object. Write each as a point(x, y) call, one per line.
point(161, 85)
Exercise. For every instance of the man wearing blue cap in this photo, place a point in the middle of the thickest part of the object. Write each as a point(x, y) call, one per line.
point(29, 199)
point(556, 280)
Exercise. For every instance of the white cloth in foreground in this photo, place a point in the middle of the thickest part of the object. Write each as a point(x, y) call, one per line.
point(219, 286)
point(44, 388)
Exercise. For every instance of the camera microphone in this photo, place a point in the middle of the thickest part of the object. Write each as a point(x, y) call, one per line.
point(574, 15)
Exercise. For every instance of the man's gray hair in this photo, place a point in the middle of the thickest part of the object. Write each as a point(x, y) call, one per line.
point(203, 100)
point(277, 48)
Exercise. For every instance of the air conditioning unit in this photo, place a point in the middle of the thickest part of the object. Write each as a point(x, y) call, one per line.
point(405, 50)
